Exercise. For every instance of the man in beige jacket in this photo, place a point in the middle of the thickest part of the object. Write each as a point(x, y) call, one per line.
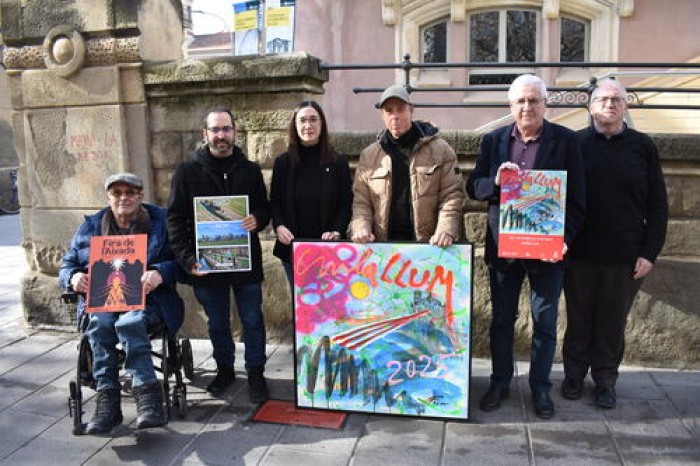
point(407, 185)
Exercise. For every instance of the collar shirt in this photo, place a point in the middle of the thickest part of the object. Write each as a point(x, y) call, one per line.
point(523, 153)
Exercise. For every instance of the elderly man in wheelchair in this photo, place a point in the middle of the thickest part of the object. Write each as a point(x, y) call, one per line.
point(126, 214)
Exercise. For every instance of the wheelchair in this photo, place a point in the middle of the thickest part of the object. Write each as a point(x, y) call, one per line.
point(172, 360)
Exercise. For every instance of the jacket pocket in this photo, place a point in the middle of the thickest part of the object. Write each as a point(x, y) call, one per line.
point(427, 182)
point(379, 181)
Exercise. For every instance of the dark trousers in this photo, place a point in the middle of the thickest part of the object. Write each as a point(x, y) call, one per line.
point(598, 300)
point(216, 301)
point(544, 300)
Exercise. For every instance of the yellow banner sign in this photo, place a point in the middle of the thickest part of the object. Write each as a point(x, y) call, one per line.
point(278, 17)
point(245, 20)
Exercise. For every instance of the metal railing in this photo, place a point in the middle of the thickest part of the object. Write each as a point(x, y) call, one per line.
point(559, 97)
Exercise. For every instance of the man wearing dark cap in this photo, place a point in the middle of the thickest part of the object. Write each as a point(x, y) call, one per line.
point(407, 184)
point(126, 214)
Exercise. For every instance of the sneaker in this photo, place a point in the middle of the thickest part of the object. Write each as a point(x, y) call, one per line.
point(225, 376)
point(257, 386)
point(108, 412)
point(149, 406)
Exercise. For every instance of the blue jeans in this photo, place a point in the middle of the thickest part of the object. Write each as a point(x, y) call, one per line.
point(105, 330)
point(217, 305)
point(544, 301)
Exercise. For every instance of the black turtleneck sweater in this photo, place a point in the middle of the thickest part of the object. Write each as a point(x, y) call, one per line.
point(307, 192)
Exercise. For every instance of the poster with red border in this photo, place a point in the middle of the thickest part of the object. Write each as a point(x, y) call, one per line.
point(532, 214)
point(117, 264)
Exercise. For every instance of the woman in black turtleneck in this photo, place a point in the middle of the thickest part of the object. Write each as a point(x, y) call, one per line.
point(311, 189)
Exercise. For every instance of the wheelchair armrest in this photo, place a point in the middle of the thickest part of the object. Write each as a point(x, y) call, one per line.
point(69, 296)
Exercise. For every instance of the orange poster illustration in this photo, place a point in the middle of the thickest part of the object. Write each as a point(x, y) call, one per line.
point(117, 264)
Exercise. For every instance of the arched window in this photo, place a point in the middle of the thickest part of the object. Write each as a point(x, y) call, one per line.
point(502, 36)
point(573, 40)
point(434, 42)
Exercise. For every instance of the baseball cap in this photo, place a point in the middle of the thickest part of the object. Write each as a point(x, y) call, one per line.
point(398, 92)
point(126, 178)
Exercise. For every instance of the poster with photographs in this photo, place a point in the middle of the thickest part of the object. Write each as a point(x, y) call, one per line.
point(223, 245)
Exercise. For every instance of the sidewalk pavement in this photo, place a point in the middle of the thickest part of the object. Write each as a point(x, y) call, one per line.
point(657, 420)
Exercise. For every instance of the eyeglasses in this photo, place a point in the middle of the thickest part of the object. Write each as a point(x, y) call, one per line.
point(117, 193)
point(532, 101)
point(605, 99)
point(220, 129)
point(310, 120)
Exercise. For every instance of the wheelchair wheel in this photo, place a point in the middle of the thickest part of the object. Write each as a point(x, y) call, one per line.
point(186, 358)
point(85, 363)
point(178, 400)
point(75, 407)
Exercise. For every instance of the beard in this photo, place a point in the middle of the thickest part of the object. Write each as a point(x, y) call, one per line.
point(220, 146)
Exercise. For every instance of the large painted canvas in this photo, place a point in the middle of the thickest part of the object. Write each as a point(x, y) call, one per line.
point(383, 327)
point(532, 214)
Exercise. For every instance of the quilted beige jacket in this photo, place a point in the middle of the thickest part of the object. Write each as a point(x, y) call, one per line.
point(437, 190)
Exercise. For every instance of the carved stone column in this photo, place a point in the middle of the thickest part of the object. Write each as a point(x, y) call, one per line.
point(79, 114)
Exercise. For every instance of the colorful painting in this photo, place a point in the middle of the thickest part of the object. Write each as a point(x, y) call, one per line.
point(223, 245)
point(532, 214)
point(383, 328)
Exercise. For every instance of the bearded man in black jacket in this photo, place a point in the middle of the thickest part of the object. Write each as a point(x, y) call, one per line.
point(219, 168)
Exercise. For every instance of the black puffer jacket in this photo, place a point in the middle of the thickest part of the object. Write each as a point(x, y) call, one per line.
point(200, 177)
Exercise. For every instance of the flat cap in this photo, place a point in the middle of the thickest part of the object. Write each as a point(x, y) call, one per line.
point(126, 178)
point(398, 92)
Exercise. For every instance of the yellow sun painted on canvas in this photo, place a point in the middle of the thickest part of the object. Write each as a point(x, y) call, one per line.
point(359, 290)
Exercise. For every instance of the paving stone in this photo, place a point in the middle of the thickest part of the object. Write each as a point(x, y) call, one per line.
point(664, 441)
point(284, 456)
point(666, 377)
point(686, 402)
point(400, 441)
point(230, 438)
point(503, 444)
point(579, 443)
point(325, 441)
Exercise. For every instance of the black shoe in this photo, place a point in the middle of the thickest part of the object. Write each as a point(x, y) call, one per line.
point(571, 389)
point(108, 412)
point(225, 376)
point(605, 397)
point(257, 386)
point(544, 407)
point(149, 406)
point(492, 398)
